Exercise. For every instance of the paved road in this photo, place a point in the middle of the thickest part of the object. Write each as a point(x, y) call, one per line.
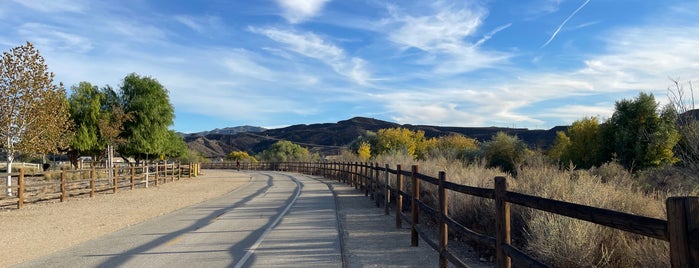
point(277, 219)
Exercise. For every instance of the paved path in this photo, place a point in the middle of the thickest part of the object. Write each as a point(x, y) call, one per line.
point(276, 220)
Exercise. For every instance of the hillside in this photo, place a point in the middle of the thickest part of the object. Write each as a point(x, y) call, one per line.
point(329, 138)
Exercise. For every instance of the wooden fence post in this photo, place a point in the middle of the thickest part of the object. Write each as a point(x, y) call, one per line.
point(366, 179)
point(116, 180)
point(399, 197)
point(502, 223)
point(20, 189)
point(371, 179)
point(190, 170)
point(93, 173)
point(355, 176)
point(415, 219)
point(179, 170)
point(682, 222)
point(386, 191)
point(443, 228)
point(64, 191)
point(157, 180)
point(133, 173)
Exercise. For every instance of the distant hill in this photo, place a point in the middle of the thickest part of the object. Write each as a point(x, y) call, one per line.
point(329, 138)
point(230, 130)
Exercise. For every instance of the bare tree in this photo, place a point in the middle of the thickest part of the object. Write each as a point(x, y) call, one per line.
point(33, 111)
point(681, 98)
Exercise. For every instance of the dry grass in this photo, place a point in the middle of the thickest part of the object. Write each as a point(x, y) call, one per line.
point(556, 240)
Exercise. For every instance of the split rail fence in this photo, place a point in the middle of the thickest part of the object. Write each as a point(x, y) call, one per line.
point(680, 229)
point(32, 188)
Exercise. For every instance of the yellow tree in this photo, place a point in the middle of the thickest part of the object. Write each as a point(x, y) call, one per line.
point(34, 114)
point(364, 151)
point(393, 140)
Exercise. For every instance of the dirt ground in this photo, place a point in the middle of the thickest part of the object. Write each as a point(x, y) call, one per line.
point(40, 229)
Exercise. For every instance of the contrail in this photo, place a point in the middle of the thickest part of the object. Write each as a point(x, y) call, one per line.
point(564, 23)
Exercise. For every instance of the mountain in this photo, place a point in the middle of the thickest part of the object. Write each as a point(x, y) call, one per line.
point(230, 130)
point(330, 138)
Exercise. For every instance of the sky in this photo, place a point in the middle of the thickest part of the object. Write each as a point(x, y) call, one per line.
point(272, 63)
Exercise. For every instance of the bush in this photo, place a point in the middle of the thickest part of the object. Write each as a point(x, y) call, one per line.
point(506, 152)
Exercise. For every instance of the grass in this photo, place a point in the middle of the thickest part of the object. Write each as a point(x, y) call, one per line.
point(556, 240)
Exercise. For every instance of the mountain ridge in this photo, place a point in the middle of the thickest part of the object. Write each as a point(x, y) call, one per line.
point(329, 138)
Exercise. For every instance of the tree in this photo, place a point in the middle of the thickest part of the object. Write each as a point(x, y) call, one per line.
point(687, 149)
point(241, 157)
point(559, 149)
point(175, 146)
point(364, 151)
point(394, 140)
point(452, 147)
point(33, 111)
point(285, 151)
point(147, 103)
point(585, 143)
point(85, 111)
point(638, 136)
point(505, 151)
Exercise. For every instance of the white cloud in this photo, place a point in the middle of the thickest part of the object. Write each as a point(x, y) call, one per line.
point(54, 38)
point(54, 6)
point(296, 11)
point(443, 35)
point(312, 46)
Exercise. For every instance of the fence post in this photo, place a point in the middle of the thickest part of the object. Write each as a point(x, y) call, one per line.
point(399, 197)
point(189, 170)
point(20, 190)
point(179, 170)
point(366, 179)
point(682, 221)
point(63, 185)
point(355, 176)
point(415, 219)
point(443, 228)
point(133, 172)
point(115, 179)
point(92, 181)
point(502, 223)
point(386, 191)
point(157, 180)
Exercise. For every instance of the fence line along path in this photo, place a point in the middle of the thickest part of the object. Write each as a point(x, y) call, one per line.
point(680, 228)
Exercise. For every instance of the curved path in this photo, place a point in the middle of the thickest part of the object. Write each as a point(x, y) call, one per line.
point(278, 219)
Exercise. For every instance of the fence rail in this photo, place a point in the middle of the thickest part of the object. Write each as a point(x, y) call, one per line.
point(680, 228)
point(37, 187)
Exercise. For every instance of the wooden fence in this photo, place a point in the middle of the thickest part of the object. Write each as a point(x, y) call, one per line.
point(680, 229)
point(32, 188)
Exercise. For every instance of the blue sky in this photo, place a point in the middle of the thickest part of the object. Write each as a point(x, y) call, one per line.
point(530, 63)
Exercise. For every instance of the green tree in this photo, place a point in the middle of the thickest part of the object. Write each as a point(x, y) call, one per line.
point(175, 146)
point(638, 136)
point(560, 147)
point(505, 151)
point(85, 111)
point(285, 151)
point(147, 103)
point(34, 116)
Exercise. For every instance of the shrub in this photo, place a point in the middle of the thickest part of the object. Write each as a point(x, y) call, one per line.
point(505, 151)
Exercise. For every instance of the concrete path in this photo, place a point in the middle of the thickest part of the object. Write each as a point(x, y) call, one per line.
point(276, 220)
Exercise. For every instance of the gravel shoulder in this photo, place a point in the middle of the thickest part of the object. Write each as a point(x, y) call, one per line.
point(40, 229)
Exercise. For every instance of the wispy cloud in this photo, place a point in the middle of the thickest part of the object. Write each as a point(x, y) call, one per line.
point(55, 6)
point(311, 45)
point(444, 35)
point(564, 23)
point(296, 11)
